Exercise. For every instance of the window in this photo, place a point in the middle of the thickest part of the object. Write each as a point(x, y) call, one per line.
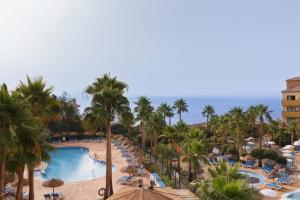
point(291, 97)
point(291, 109)
point(292, 120)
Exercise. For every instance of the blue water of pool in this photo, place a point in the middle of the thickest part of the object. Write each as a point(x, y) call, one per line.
point(294, 196)
point(73, 164)
point(262, 179)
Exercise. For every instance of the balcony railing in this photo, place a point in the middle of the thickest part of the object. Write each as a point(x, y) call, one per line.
point(291, 114)
point(290, 102)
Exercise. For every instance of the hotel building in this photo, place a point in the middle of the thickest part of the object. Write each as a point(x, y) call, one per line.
point(291, 101)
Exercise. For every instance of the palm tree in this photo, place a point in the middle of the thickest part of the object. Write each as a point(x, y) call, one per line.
point(263, 112)
point(127, 120)
point(93, 120)
point(155, 126)
point(170, 114)
point(108, 96)
point(207, 112)
point(143, 110)
point(165, 109)
point(237, 116)
point(252, 114)
point(194, 150)
point(181, 106)
point(292, 130)
point(225, 183)
point(9, 111)
point(38, 95)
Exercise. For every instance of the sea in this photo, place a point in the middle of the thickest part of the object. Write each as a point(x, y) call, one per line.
point(196, 104)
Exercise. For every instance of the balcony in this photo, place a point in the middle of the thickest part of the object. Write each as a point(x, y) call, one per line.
point(290, 102)
point(291, 114)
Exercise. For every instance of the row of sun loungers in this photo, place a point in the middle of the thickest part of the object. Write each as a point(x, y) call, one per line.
point(54, 196)
point(249, 164)
point(12, 191)
point(278, 184)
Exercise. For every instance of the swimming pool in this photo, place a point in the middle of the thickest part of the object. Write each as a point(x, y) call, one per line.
point(73, 164)
point(295, 195)
point(261, 178)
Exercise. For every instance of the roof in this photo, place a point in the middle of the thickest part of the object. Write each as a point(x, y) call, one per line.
point(293, 89)
point(294, 79)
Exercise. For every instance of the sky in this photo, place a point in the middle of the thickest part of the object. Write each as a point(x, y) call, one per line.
point(159, 47)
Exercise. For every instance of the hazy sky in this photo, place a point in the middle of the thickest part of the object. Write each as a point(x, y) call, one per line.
point(159, 47)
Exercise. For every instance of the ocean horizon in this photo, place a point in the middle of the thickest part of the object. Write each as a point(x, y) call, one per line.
point(196, 104)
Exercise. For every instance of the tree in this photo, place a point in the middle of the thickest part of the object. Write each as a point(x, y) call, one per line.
point(170, 114)
point(237, 117)
point(181, 106)
point(292, 130)
point(9, 111)
point(155, 126)
point(108, 96)
point(263, 112)
point(42, 102)
point(194, 150)
point(143, 110)
point(165, 109)
point(225, 183)
point(207, 112)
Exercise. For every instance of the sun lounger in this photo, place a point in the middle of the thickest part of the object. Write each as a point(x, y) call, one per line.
point(231, 162)
point(274, 186)
point(47, 196)
point(58, 196)
point(267, 168)
point(211, 161)
point(285, 180)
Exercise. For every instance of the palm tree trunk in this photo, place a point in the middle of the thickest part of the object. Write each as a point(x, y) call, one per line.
point(178, 166)
point(170, 168)
point(170, 118)
point(154, 146)
point(180, 116)
point(2, 178)
point(292, 138)
point(190, 171)
point(143, 135)
point(20, 183)
point(260, 134)
point(31, 181)
point(195, 172)
point(109, 186)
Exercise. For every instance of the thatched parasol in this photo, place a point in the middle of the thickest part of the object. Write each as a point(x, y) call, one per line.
point(140, 159)
point(134, 193)
point(129, 169)
point(99, 133)
point(9, 178)
point(25, 182)
point(56, 135)
point(53, 183)
point(249, 157)
point(274, 174)
point(269, 162)
point(72, 134)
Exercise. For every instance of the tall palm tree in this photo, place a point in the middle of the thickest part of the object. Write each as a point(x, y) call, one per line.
point(237, 116)
point(93, 120)
point(292, 130)
point(108, 96)
point(225, 183)
point(207, 112)
point(181, 106)
point(170, 114)
point(143, 110)
point(263, 113)
point(9, 111)
point(252, 114)
point(155, 126)
point(39, 96)
point(165, 109)
point(194, 151)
